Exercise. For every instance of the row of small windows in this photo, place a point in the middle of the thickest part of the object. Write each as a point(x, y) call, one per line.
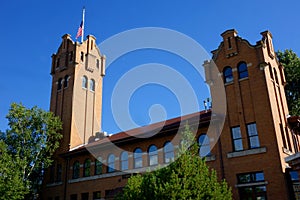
point(63, 82)
point(85, 83)
point(168, 150)
point(242, 72)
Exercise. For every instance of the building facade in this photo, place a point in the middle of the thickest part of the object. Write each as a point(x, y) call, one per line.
point(249, 151)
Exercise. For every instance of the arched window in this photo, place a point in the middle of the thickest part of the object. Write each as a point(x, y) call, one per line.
point(98, 166)
point(153, 156)
point(227, 73)
point(124, 160)
point(66, 81)
point(138, 158)
point(92, 85)
point(111, 163)
point(76, 169)
point(168, 152)
point(87, 168)
point(59, 84)
point(84, 82)
point(242, 70)
point(204, 145)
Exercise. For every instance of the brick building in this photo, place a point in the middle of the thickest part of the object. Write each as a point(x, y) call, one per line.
point(249, 151)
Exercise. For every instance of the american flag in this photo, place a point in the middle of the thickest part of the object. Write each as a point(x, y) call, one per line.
point(79, 32)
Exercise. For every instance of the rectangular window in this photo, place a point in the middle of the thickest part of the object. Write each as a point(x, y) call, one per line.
point(252, 136)
point(73, 197)
point(52, 173)
point(85, 196)
point(58, 173)
point(255, 191)
point(97, 195)
point(237, 138)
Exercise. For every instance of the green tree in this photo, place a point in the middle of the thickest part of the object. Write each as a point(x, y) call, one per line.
point(291, 64)
point(12, 185)
point(187, 178)
point(26, 148)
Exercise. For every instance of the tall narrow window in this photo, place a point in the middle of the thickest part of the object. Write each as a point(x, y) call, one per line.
point(138, 158)
point(252, 136)
point(57, 62)
point(71, 56)
point(87, 168)
point(84, 82)
point(283, 136)
point(204, 145)
point(237, 138)
point(76, 169)
point(276, 77)
point(243, 71)
point(229, 42)
point(98, 166)
point(92, 85)
point(97, 64)
point(82, 56)
point(153, 156)
point(66, 81)
point(227, 73)
point(124, 160)
point(168, 152)
point(58, 172)
point(59, 84)
point(271, 71)
point(111, 163)
point(52, 175)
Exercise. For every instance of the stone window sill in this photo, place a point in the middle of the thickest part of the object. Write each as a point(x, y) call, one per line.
point(247, 152)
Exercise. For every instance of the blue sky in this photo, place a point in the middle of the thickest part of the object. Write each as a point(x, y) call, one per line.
point(31, 32)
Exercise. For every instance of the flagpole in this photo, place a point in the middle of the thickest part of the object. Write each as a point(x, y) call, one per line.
point(83, 13)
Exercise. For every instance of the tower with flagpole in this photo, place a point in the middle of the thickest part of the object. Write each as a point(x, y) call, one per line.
point(80, 32)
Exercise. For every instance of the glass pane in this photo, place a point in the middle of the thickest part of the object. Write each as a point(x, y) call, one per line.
point(259, 176)
point(254, 142)
point(244, 74)
point(238, 145)
point(138, 163)
point(251, 129)
point(228, 79)
point(124, 165)
point(260, 188)
point(153, 160)
point(204, 151)
point(244, 178)
point(152, 148)
point(236, 132)
point(169, 156)
point(294, 176)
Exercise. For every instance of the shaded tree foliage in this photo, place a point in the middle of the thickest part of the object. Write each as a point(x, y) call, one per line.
point(291, 64)
point(26, 150)
point(187, 178)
